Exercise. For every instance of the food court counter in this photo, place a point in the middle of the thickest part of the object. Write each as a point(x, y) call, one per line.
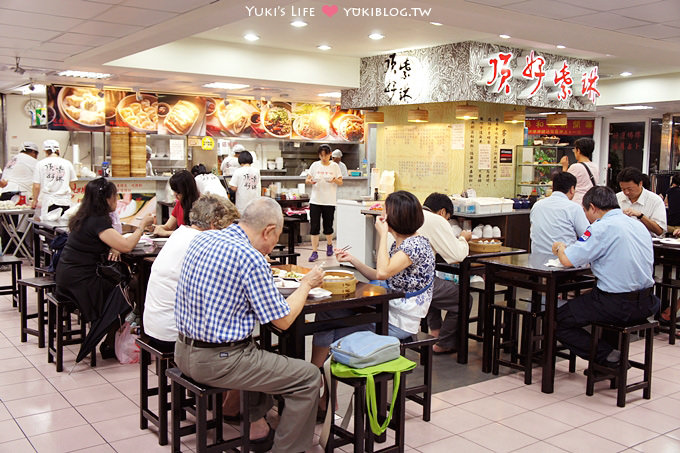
point(352, 186)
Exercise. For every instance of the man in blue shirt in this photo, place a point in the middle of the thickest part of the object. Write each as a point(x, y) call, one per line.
point(557, 218)
point(619, 251)
point(225, 287)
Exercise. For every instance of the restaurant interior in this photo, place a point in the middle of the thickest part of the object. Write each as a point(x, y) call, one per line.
point(414, 95)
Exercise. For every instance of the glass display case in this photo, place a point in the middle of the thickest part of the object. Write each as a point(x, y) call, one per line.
point(535, 166)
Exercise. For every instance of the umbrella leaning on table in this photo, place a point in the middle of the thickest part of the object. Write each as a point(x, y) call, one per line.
point(115, 308)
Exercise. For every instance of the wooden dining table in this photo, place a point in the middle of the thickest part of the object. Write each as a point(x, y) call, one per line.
point(667, 255)
point(530, 271)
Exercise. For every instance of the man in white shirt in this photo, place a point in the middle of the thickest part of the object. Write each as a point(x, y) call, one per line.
point(246, 181)
point(18, 173)
point(230, 164)
point(557, 218)
point(437, 209)
point(53, 180)
point(149, 165)
point(638, 202)
point(336, 155)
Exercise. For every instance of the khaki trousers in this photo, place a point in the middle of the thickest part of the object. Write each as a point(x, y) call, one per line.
point(245, 367)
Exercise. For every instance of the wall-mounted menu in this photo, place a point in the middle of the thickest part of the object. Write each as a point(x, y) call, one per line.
point(75, 108)
point(185, 115)
point(137, 112)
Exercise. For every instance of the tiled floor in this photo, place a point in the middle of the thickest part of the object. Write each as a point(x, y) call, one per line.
point(95, 409)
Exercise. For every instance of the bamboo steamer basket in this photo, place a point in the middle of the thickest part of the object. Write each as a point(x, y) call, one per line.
point(339, 282)
point(477, 246)
point(137, 154)
point(120, 152)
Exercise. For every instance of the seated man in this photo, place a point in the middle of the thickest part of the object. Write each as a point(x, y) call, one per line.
point(437, 209)
point(556, 218)
point(619, 251)
point(225, 287)
point(638, 202)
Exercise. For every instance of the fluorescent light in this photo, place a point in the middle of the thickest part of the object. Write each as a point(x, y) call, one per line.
point(331, 94)
point(298, 23)
point(436, 24)
point(376, 36)
point(626, 74)
point(251, 37)
point(226, 85)
point(634, 107)
point(560, 46)
point(323, 47)
point(546, 113)
point(84, 74)
point(504, 36)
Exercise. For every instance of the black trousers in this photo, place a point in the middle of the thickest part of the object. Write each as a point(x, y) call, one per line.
point(316, 212)
point(601, 306)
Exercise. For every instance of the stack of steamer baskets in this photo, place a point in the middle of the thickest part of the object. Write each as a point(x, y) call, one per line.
point(120, 152)
point(137, 154)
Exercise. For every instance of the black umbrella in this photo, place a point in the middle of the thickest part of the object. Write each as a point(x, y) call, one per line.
point(115, 308)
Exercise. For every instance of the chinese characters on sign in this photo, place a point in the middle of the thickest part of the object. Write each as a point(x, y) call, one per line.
point(501, 73)
point(573, 127)
point(533, 71)
point(402, 78)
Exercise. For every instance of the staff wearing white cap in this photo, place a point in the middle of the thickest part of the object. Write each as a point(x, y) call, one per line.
point(149, 167)
point(18, 173)
point(53, 180)
point(230, 164)
point(337, 156)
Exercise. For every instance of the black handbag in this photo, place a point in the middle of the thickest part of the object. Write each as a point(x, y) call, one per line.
point(115, 272)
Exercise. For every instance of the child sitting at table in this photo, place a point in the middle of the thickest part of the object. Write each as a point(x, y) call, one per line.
point(408, 267)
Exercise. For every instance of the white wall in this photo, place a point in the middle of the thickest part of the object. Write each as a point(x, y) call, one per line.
point(658, 88)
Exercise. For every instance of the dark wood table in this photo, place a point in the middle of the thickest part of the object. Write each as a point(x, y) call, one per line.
point(465, 269)
point(668, 257)
point(529, 271)
point(10, 221)
point(140, 261)
point(43, 233)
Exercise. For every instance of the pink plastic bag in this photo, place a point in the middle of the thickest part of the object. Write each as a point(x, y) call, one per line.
point(127, 350)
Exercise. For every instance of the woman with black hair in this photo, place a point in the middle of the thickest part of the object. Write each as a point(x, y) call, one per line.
point(207, 182)
point(91, 237)
point(184, 187)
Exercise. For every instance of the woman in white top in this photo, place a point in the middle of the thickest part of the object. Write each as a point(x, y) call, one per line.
point(325, 177)
point(586, 172)
point(246, 181)
point(208, 212)
point(207, 182)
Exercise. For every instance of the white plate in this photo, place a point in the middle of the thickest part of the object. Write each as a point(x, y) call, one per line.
point(670, 241)
point(319, 293)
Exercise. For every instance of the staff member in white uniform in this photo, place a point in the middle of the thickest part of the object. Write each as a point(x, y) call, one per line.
point(246, 182)
point(53, 180)
point(230, 164)
point(337, 158)
point(638, 202)
point(18, 173)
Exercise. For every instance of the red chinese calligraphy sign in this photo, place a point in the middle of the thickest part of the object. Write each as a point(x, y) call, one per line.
point(589, 81)
point(564, 81)
point(534, 71)
point(501, 72)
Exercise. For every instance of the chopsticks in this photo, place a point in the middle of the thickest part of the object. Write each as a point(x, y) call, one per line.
point(345, 248)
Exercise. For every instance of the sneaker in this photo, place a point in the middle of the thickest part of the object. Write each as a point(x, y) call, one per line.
point(329, 250)
point(313, 257)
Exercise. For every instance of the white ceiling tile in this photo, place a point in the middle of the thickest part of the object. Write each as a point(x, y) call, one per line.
point(37, 21)
point(67, 8)
point(108, 2)
point(606, 21)
point(662, 11)
point(66, 48)
point(11, 31)
point(29, 63)
point(18, 43)
point(135, 16)
point(494, 2)
point(655, 31)
point(673, 23)
point(182, 6)
point(548, 8)
point(105, 29)
point(83, 39)
point(27, 53)
point(608, 5)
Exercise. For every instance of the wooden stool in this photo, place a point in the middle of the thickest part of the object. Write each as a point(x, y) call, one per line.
point(422, 344)
point(202, 393)
point(283, 258)
point(12, 289)
point(42, 285)
point(60, 334)
point(619, 375)
point(163, 361)
point(363, 437)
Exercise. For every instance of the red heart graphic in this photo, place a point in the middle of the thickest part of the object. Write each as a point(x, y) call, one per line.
point(330, 10)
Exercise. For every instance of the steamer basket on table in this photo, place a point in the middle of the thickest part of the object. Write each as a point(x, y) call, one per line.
point(478, 246)
point(339, 282)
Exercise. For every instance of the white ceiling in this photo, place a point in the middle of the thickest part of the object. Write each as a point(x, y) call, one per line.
point(640, 36)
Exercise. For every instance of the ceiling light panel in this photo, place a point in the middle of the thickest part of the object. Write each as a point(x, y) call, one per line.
point(251, 37)
point(331, 94)
point(298, 23)
point(634, 107)
point(323, 47)
point(376, 36)
point(84, 74)
point(226, 85)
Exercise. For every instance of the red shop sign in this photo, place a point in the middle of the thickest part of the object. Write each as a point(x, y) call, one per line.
point(573, 127)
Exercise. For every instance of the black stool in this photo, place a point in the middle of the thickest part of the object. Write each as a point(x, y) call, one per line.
point(60, 333)
point(281, 257)
point(363, 437)
point(202, 393)
point(422, 344)
point(163, 361)
point(12, 289)
point(619, 375)
point(42, 285)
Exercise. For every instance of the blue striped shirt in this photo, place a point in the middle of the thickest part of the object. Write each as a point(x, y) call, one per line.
point(224, 287)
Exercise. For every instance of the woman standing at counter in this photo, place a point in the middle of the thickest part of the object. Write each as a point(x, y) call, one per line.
point(184, 187)
point(586, 172)
point(246, 181)
point(325, 177)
